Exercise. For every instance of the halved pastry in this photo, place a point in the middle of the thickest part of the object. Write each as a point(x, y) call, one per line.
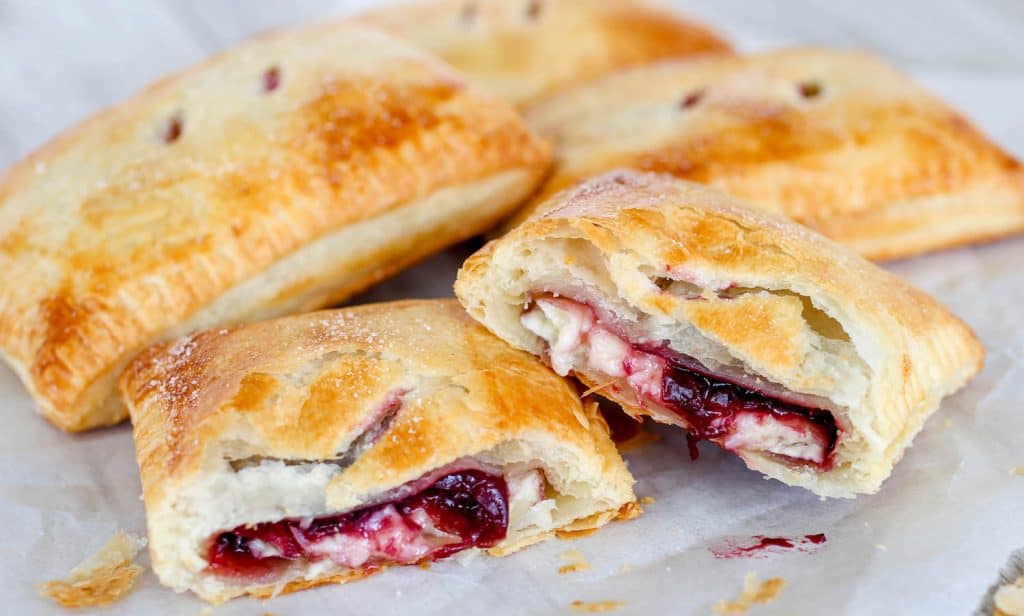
point(285, 174)
point(524, 50)
point(839, 141)
point(680, 303)
point(325, 447)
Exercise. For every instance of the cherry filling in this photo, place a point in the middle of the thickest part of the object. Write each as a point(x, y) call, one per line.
point(740, 418)
point(714, 408)
point(463, 509)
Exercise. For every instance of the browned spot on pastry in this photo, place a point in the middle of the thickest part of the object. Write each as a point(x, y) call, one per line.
point(254, 391)
point(350, 118)
point(907, 367)
point(101, 579)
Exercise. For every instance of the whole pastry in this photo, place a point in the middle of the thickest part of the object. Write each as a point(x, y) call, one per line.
point(839, 141)
point(285, 174)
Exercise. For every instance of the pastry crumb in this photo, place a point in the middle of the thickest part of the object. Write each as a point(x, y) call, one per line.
point(880, 547)
point(1009, 599)
point(101, 579)
point(1017, 470)
point(624, 569)
point(593, 607)
point(754, 591)
point(948, 423)
point(425, 565)
point(647, 500)
point(206, 611)
point(629, 511)
point(576, 560)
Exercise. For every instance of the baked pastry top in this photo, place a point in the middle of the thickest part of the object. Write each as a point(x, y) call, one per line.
point(525, 50)
point(326, 413)
point(838, 141)
point(679, 302)
point(284, 174)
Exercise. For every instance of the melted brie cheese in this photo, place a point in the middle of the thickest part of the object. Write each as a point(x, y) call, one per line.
point(762, 432)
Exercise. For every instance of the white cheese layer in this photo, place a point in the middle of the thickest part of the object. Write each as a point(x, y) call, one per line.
point(762, 432)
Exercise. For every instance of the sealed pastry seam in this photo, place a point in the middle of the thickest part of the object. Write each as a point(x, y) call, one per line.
point(814, 366)
point(260, 200)
point(329, 446)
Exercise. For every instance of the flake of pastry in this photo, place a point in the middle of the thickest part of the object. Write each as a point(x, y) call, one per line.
point(754, 591)
point(101, 579)
point(330, 446)
point(745, 329)
point(595, 607)
point(575, 562)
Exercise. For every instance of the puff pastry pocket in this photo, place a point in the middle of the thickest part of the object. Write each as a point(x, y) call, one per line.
point(813, 365)
point(838, 141)
point(324, 447)
point(283, 175)
point(524, 50)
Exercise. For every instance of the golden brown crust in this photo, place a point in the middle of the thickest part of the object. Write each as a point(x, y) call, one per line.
point(142, 215)
point(525, 50)
point(792, 306)
point(303, 388)
point(866, 157)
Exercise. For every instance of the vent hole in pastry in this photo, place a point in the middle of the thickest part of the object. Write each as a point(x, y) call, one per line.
point(534, 9)
point(173, 128)
point(810, 89)
point(271, 79)
point(469, 13)
point(691, 100)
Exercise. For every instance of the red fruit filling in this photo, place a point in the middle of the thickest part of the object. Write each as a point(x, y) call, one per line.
point(728, 414)
point(710, 407)
point(461, 510)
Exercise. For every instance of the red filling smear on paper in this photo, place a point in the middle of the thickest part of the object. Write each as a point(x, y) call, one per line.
point(760, 546)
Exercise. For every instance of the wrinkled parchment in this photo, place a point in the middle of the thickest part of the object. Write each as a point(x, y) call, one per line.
point(931, 542)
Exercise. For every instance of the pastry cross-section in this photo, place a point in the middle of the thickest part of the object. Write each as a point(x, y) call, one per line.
point(526, 50)
point(325, 447)
point(680, 303)
point(285, 174)
point(838, 141)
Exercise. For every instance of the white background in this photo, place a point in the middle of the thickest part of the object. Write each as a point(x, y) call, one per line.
point(929, 543)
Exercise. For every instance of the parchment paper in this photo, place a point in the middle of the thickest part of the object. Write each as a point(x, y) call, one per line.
point(931, 542)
